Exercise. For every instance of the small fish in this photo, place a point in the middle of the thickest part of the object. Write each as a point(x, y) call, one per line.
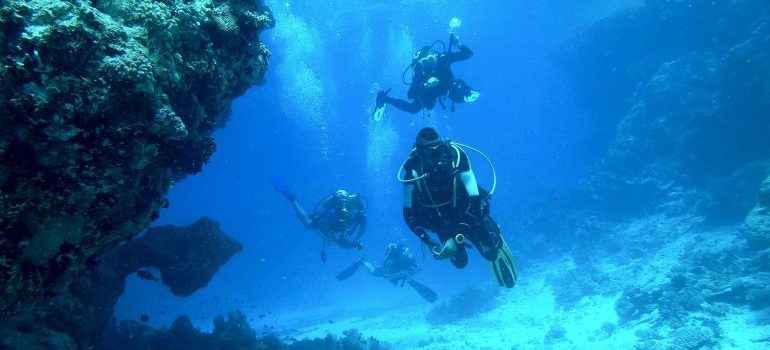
point(261, 315)
point(330, 321)
point(144, 318)
point(147, 275)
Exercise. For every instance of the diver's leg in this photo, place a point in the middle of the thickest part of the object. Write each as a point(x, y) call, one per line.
point(492, 246)
point(372, 270)
point(412, 107)
point(301, 214)
point(485, 236)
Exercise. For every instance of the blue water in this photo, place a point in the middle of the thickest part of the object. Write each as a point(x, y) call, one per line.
point(309, 122)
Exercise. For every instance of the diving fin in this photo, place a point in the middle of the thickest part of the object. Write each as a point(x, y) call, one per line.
point(280, 185)
point(504, 266)
point(472, 96)
point(380, 106)
point(425, 292)
point(350, 270)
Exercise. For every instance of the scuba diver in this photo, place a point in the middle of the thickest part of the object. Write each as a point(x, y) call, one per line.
point(340, 218)
point(432, 80)
point(441, 195)
point(398, 267)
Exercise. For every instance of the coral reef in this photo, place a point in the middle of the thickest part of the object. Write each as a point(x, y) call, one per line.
point(104, 104)
point(467, 303)
point(681, 88)
point(79, 315)
point(233, 333)
point(756, 227)
point(691, 338)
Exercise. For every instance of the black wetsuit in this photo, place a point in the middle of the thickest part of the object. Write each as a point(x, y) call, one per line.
point(425, 97)
point(441, 203)
point(397, 265)
point(341, 220)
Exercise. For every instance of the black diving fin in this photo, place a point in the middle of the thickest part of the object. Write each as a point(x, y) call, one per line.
point(425, 292)
point(350, 270)
point(380, 106)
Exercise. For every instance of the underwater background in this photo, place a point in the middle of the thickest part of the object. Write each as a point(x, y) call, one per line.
point(629, 140)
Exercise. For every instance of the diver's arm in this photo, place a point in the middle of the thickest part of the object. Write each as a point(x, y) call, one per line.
point(468, 180)
point(410, 216)
point(301, 213)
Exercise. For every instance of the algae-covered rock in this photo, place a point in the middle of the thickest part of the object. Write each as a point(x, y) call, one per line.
point(681, 91)
point(188, 257)
point(231, 333)
point(756, 227)
point(103, 104)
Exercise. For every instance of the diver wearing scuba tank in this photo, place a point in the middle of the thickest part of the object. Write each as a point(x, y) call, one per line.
point(432, 80)
point(441, 195)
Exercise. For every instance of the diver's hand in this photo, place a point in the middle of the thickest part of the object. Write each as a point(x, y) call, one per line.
point(447, 250)
point(456, 40)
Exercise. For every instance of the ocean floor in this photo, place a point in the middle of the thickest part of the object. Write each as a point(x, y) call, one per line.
point(529, 317)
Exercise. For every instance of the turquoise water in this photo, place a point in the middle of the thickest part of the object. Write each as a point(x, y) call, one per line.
point(626, 151)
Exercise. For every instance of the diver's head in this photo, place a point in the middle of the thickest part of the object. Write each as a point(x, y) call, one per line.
point(425, 58)
point(426, 136)
point(428, 144)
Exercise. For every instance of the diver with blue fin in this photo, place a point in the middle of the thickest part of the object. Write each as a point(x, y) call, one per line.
point(339, 218)
point(398, 267)
point(432, 80)
point(441, 195)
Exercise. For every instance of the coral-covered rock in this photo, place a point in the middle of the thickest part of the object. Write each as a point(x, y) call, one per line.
point(756, 227)
point(103, 104)
point(683, 89)
point(233, 333)
point(692, 337)
point(187, 257)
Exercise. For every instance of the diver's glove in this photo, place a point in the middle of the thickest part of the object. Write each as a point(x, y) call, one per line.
point(448, 250)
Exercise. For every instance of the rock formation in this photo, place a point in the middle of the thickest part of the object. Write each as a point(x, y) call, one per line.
point(187, 257)
point(103, 105)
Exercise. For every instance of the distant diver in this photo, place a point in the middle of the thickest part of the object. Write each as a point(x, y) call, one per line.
point(432, 80)
point(147, 275)
point(398, 267)
point(339, 218)
point(441, 195)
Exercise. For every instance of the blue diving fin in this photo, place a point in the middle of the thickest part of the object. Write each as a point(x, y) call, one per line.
point(280, 185)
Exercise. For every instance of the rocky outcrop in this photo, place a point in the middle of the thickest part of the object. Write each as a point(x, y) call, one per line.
point(756, 227)
point(233, 333)
point(103, 105)
point(684, 88)
point(187, 257)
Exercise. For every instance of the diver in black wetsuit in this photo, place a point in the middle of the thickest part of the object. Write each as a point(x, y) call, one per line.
point(441, 195)
point(398, 267)
point(340, 218)
point(433, 79)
